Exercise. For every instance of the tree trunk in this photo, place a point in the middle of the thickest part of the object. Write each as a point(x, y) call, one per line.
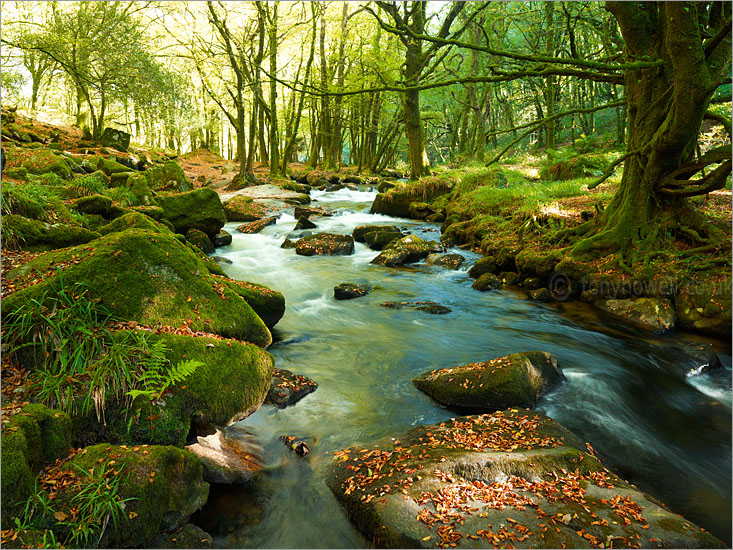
point(274, 135)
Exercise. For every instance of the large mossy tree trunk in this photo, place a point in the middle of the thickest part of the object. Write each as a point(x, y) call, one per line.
point(666, 106)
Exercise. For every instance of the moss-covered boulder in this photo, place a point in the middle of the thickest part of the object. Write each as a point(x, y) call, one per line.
point(31, 438)
point(580, 166)
point(487, 264)
point(511, 478)
point(199, 209)
point(448, 261)
point(118, 179)
point(268, 304)
point(188, 536)
point(200, 240)
point(257, 225)
point(168, 177)
point(36, 235)
point(309, 211)
point(516, 380)
point(349, 291)
point(230, 384)
point(705, 307)
point(41, 161)
point(378, 240)
point(137, 183)
point(536, 263)
point(133, 220)
point(163, 486)
point(244, 209)
point(397, 201)
point(145, 276)
point(109, 166)
point(360, 231)
point(433, 308)
point(402, 251)
point(329, 244)
point(304, 223)
point(653, 314)
point(155, 212)
point(92, 204)
point(222, 238)
point(118, 139)
point(487, 281)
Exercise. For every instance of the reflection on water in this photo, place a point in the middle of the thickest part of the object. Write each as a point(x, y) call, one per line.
point(669, 434)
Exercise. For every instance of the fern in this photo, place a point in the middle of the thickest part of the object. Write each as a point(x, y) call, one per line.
point(157, 377)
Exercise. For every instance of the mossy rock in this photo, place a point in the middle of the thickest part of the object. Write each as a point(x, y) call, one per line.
point(408, 249)
point(188, 536)
point(155, 212)
point(497, 472)
point(517, 380)
point(705, 307)
point(200, 240)
point(378, 240)
point(487, 281)
point(297, 187)
point(580, 166)
point(16, 132)
point(34, 437)
point(448, 261)
point(145, 276)
point(133, 220)
point(137, 183)
point(539, 264)
point(42, 161)
point(164, 486)
point(329, 244)
point(652, 314)
point(118, 179)
point(231, 383)
point(118, 139)
point(244, 209)
point(199, 209)
point(397, 201)
point(268, 304)
point(360, 231)
point(168, 177)
point(486, 264)
point(17, 173)
point(39, 236)
point(109, 166)
point(92, 204)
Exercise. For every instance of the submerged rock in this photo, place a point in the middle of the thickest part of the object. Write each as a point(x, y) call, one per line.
point(258, 225)
point(329, 244)
point(304, 223)
point(515, 380)
point(653, 314)
point(288, 243)
point(229, 456)
point(222, 238)
point(699, 357)
point(428, 307)
point(512, 478)
point(449, 261)
point(309, 211)
point(287, 388)
point(347, 291)
point(378, 240)
point(541, 295)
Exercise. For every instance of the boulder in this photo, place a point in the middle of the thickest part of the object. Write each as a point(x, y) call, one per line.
point(448, 261)
point(482, 481)
point(348, 291)
point(653, 314)
point(699, 357)
point(426, 306)
point(200, 240)
point(297, 187)
point(309, 211)
point(188, 536)
point(36, 235)
point(316, 179)
point(541, 295)
point(329, 244)
point(273, 192)
point(226, 456)
point(487, 281)
point(406, 250)
point(304, 223)
point(222, 238)
point(155, 212)
point(92, 204)
point(144, 276)
point(199, 209)
point(288, 243)
point(163, 487)
point(41, 161)
point(509, 278)
point(397, 201)
point(243, 209)
point(257, 226)
point(487, 264)
point(268, 304)
point(115, 138)
point(517, 380)
point(133, 220)
point(109, 166)
point(168, 177)
point(705, 307)
point(288, 388)
point(378, 240)
point(360, 231)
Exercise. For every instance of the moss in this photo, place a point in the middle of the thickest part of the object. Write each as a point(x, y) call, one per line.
point(267, 303)
point(109, 166)
point(200, 209)
point(137, 183)
point(38, 236)
point(200, 240)
point(155, 212)
point(540, 264)
point(164, 485)
point(17, 173)
point(211, 265)
point(133, 220)
point(378, 240)
point(397, 201)
point(401, 251)
point(486, 264)
point(93, 204)
point(168, 177)
point(145, 276)
point(360, 231)
point(42, 161)
point(243, 209)
point(17, 478)
point(330, 244)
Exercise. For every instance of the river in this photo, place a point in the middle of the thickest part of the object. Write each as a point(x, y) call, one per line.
point(626, 394)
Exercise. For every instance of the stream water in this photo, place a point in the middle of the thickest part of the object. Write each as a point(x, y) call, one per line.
point(625, 394)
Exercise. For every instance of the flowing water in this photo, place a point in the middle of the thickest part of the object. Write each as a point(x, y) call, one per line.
point(628, 396)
